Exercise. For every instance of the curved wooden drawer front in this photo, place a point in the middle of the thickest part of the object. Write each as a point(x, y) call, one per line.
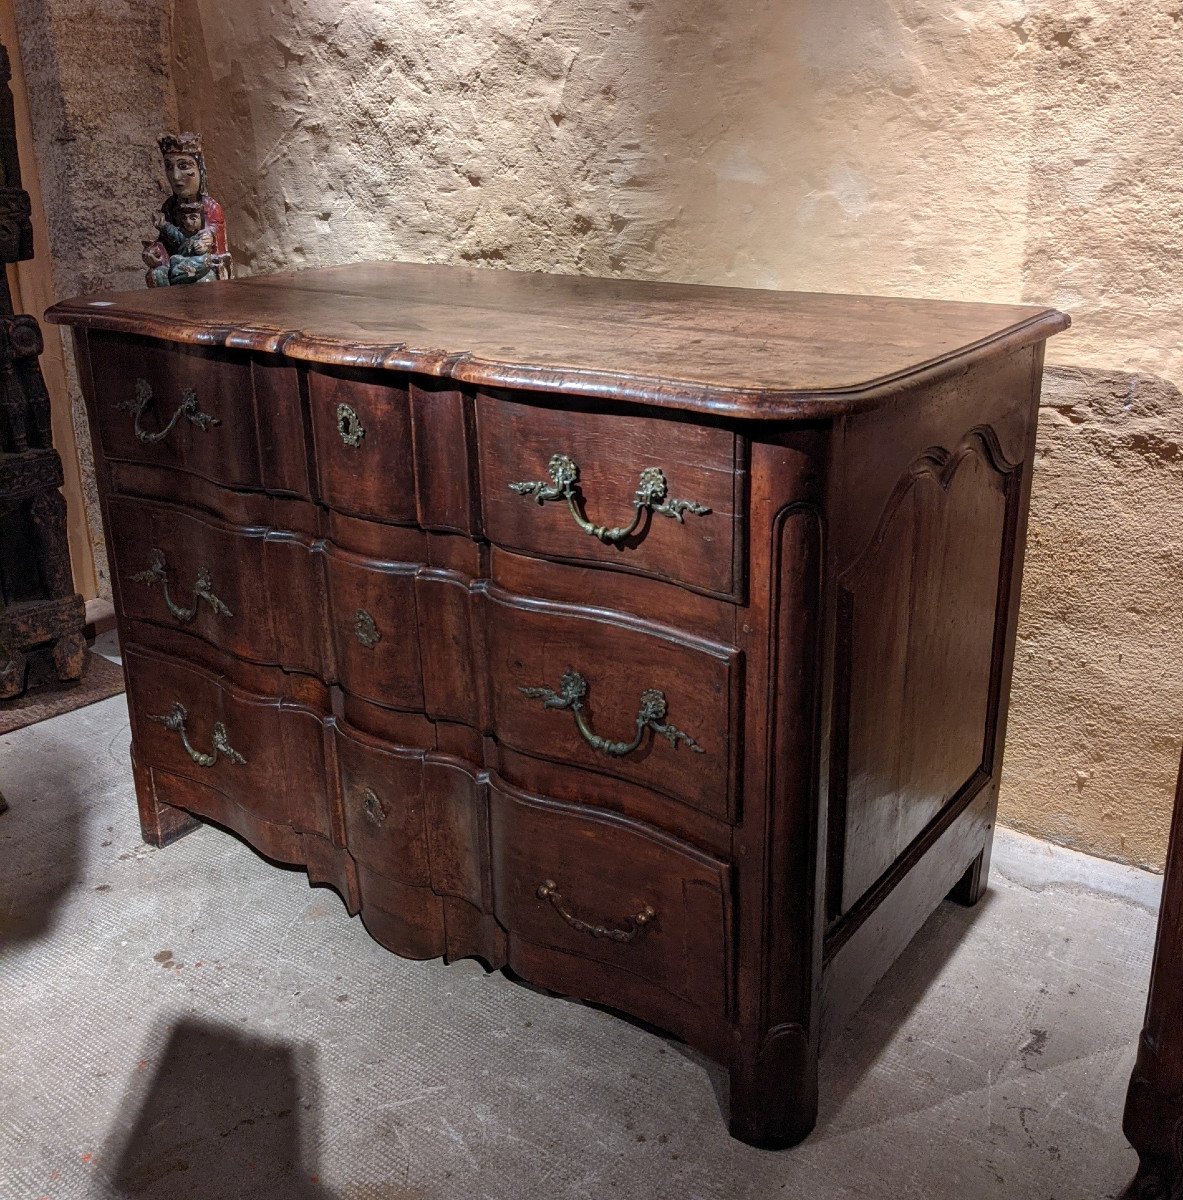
point(142, 385)
point(383, 803)
point(613, 892)
point(532, 645)
point(246, 591)
point(699, 464)
point(262, 753)
point(258, 593)
point(361, 426)
point(372, 616)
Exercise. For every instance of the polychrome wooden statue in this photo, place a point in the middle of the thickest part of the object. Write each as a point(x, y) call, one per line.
point(190, 246)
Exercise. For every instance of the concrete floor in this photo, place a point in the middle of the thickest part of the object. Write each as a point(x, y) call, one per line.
point(195, 1022)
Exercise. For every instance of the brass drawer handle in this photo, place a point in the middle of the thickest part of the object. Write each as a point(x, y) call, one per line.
point(188, 408)
point(175, 718)
point(157, 572)
point(573, 688)
point(651, 496)
point(349, 426)
point(633, 926)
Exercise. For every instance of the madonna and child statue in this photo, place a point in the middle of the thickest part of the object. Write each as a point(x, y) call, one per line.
point(190, 242)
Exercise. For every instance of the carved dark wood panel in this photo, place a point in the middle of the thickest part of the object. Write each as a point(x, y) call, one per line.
point(259, 752)
point(918, 651)
point(371, 613)
point(612, 892)
point(39, 608)
point(532, 645)
point(185, 408)
point(361, 427)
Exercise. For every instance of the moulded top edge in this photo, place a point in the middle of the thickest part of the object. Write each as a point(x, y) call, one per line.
point(735, 352)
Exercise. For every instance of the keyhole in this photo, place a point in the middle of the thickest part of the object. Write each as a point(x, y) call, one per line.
point(349, 425)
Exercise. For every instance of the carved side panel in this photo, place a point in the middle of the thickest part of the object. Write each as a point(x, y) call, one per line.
point(920, 642)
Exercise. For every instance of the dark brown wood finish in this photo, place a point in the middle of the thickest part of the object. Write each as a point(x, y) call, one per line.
point(700, 464)
point(758, 355)
point(1154, 1103)
point(711, 763)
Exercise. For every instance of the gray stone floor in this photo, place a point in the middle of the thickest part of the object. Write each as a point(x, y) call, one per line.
point(195, 1022)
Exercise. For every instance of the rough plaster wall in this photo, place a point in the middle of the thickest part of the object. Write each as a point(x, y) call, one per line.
point(99, 96)
point(996, 149)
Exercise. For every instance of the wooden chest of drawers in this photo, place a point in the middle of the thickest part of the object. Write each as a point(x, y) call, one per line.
point(651, 640)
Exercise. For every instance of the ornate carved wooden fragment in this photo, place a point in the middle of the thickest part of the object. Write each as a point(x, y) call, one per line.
point(38, 605)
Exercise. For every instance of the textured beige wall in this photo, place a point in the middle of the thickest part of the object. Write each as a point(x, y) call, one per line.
point(993, 149)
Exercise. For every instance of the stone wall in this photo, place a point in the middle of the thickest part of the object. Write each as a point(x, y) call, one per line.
point(99, 94)
point(995, 149)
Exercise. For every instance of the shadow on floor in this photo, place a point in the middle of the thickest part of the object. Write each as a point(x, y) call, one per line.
point(41, 831)
point(218, 1114)
point(860, 1046)
point(847, 1062)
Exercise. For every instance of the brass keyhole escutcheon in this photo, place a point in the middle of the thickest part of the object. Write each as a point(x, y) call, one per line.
point(349, 425)
point(365, 630)
point(372, 806)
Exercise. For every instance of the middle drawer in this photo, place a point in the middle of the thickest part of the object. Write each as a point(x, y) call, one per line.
point(617, 695)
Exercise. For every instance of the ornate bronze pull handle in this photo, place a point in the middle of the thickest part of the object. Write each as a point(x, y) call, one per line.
point(633, 926)
point(651, 496)
point(349, 426)
point(188, 409)
point(157, 572)
point(573, 688)
point(175, 718)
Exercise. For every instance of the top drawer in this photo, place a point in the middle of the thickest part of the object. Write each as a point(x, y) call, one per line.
point(652, 495)
point(231, 418)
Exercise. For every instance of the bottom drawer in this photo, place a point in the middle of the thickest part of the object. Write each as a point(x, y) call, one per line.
point(263, 754)
point(612, 892)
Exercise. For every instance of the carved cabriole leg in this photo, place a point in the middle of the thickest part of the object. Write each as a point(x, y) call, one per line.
point(160, 823)
point(774, 1090)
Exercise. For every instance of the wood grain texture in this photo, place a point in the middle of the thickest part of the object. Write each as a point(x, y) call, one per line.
point(729, 351)
point(835, 634)
point(611, 450)
point(916, 691)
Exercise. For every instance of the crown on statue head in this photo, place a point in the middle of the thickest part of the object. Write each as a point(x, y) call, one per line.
point(181, 143)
